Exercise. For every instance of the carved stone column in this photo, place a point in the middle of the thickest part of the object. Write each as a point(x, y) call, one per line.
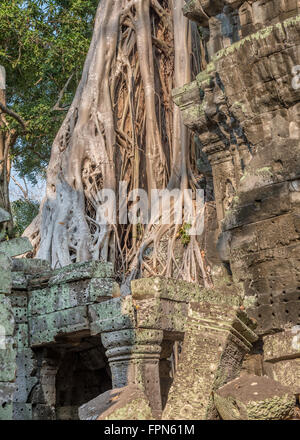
point(133, 356)
point(222, 163)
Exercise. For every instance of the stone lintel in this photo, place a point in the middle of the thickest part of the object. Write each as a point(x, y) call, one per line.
point(45, 329)
point(30, 266)
point(179, 291)
point(200, 11)
point(81, 271)
point(68, 295)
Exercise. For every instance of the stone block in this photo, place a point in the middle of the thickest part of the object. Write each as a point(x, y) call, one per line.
point(7, 390)
point(44, 329)
point(8, 361)
point(220, 337)
point(82, 271)
point(286, 372)
point(4, 216)
point(43, 412)
point(23, 388)
point(20, 315)
point(161, 314)
point(114, 314)
point(283, 345)
point(19, 281)
point(22, 336)
point(7, 320)
point(6, 411)
point(30, 266)
point(5, 274)
point(254, 398)
point(128, 403)
point(26, 363)
point(179, 291)
point(22, 411)
point(68, 295)
point(15, 246)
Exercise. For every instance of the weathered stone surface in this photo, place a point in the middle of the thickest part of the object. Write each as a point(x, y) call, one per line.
point(286, 372)
point(8, 361)
point(4, 216)
point(243, 107)
point(16, 246)
point(6, 412)
point(7, 319)
point(43, 412)
point(133, 356)
point(39, 280)
point(20, 314)
point(81, 271)
point(7, 390)
point(216, 335)
point(282, 357)
point(254, 398)
point(114, 314)
point(22, 336)
point(179, 291)
point(73, 294)
point(5, 274)
point(19, 281)
point(161, 314)
point(67, 413)
point(22, 411)
point(128, 403)
point(30, 266)
point(284, 345)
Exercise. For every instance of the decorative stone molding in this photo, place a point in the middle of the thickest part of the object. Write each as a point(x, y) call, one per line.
point(219, 336)
point(133, 356)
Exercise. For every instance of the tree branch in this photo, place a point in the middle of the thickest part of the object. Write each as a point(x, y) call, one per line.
point(13, 115)
point(60, 97)
point(24, 191)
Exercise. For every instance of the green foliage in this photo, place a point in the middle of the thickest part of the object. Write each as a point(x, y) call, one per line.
point(184, 234)
point(23, 211)
point(42, 43)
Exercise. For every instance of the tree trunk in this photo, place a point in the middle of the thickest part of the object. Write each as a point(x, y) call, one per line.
point(121, 126)
point(7, 137)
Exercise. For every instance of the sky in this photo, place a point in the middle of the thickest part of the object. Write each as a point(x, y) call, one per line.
point(35, 192)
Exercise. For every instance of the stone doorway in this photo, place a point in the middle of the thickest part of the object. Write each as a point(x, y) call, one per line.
point(82, 375)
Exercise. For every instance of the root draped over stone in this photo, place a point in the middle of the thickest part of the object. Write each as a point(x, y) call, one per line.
point(123, 126)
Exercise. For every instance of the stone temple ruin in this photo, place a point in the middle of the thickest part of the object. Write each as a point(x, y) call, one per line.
point(73, 347)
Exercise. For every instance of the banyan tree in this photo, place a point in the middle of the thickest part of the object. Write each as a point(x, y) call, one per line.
point(124, 127)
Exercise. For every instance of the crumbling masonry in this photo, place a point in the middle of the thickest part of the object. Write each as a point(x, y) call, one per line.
point(72, 346)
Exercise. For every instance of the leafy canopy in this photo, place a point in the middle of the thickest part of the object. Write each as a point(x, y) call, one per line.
point(43, 43)
point(23, 212)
